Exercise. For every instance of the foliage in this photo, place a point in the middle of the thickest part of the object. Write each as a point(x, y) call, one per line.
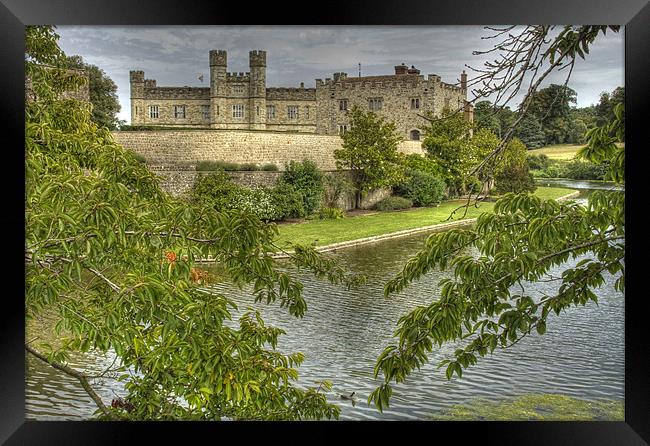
point(536, 407)
point(369, 150)
point(112, 258)
point(393, 203)
point(531, 132)
point(415, 161)
point(422, 188)
point(208, 166)
point(103, 93)
point(336, 186)
point(326, 213)
point(215, 189)
point(604, 110)
point(538, 162)
point(514, 178)
point(585, 170)
point(288, 201)
point(513, 175)
point(270, 167)
point(484, 305)
point(453, 146)
point(258, 201)
point(306, 179)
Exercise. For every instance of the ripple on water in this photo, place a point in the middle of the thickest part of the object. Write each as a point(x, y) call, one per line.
point(344, 331)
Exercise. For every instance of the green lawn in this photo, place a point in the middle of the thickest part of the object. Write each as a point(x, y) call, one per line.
point(325, 232)
point(558, 151)
point(536, 407)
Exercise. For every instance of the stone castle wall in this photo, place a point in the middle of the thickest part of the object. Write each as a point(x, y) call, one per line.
point(171, 147)
point(179, 180)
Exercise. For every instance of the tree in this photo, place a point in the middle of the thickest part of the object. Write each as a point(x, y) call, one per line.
point(530, 132)
point(605, 108)
point(103, 93)
point(369, 151)
point(452, 143)
point(485, 116)
point(111, 258)
point(483, 306)
point(513, 175)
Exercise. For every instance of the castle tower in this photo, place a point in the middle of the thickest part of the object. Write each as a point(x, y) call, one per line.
point(463, 80)
point(218, 91)
point(136, 80)
point(257, 91)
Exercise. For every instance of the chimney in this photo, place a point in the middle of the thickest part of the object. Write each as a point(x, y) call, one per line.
point(413, 70)
point(463, 80)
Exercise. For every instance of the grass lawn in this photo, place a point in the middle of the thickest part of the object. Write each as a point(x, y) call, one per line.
point(558, 151)
point(325, 232)
point(547, 407)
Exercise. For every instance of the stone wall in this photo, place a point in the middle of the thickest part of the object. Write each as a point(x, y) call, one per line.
point(179, 180)
point(171, 147)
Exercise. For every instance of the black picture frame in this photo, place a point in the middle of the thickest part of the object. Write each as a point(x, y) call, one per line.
point(15, 14)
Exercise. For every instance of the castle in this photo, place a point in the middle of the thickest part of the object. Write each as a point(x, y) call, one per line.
point(242, 101)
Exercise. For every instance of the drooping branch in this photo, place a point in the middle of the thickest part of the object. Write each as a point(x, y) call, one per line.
point(83, 379)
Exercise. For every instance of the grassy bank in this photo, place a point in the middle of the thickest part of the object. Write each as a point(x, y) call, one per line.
point(325, 232)
point(536, 407)
point(558, 151)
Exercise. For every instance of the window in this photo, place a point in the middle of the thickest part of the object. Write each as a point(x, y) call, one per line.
point(374, 104)
point(342, 128)
point(415, 103)
point(292, 112)
point(205, 111)
point(238, 110)
point(179, 111)
point(137, 110)
point(343, 105)
point(153, 111)
point(307, 112)
point(270, 111)
point(238, 88)
point(257, 110)
point(415, 135)
point(446, 102)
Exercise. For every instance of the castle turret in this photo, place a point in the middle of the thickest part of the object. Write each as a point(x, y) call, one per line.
point(463, 80)
point(136, 80)
point(218, 88)
point(257, 89)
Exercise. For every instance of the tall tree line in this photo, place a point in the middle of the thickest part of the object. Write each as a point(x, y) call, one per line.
point(552, 117)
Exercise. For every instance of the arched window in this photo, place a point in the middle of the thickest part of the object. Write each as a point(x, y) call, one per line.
point(415, 135)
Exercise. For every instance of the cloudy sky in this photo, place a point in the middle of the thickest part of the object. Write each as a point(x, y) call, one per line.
point(178, 55)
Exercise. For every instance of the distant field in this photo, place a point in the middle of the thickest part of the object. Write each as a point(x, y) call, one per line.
point(558, 151)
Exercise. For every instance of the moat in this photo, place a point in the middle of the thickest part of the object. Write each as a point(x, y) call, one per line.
point(343, 332)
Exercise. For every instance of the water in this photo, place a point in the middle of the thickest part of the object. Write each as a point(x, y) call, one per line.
point(343, 332)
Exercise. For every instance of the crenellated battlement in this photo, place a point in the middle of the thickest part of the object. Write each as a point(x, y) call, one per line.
point(242, 101)
point(218, 58)
point(238, 77)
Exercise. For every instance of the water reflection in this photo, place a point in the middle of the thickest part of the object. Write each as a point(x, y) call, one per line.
point(343, 332)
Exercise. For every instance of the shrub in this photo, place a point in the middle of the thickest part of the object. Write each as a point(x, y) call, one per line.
point(247, 167)
point(327, 213)
point(257, 201)
point(270, 167)
point(585, 170)
point(392, 203)
point(308, 180)
point(208, 166)
point(425, 164)
point(515, 178)
point(538, 162)
point(288, 201)
point(423, 189)
point(216, 187)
